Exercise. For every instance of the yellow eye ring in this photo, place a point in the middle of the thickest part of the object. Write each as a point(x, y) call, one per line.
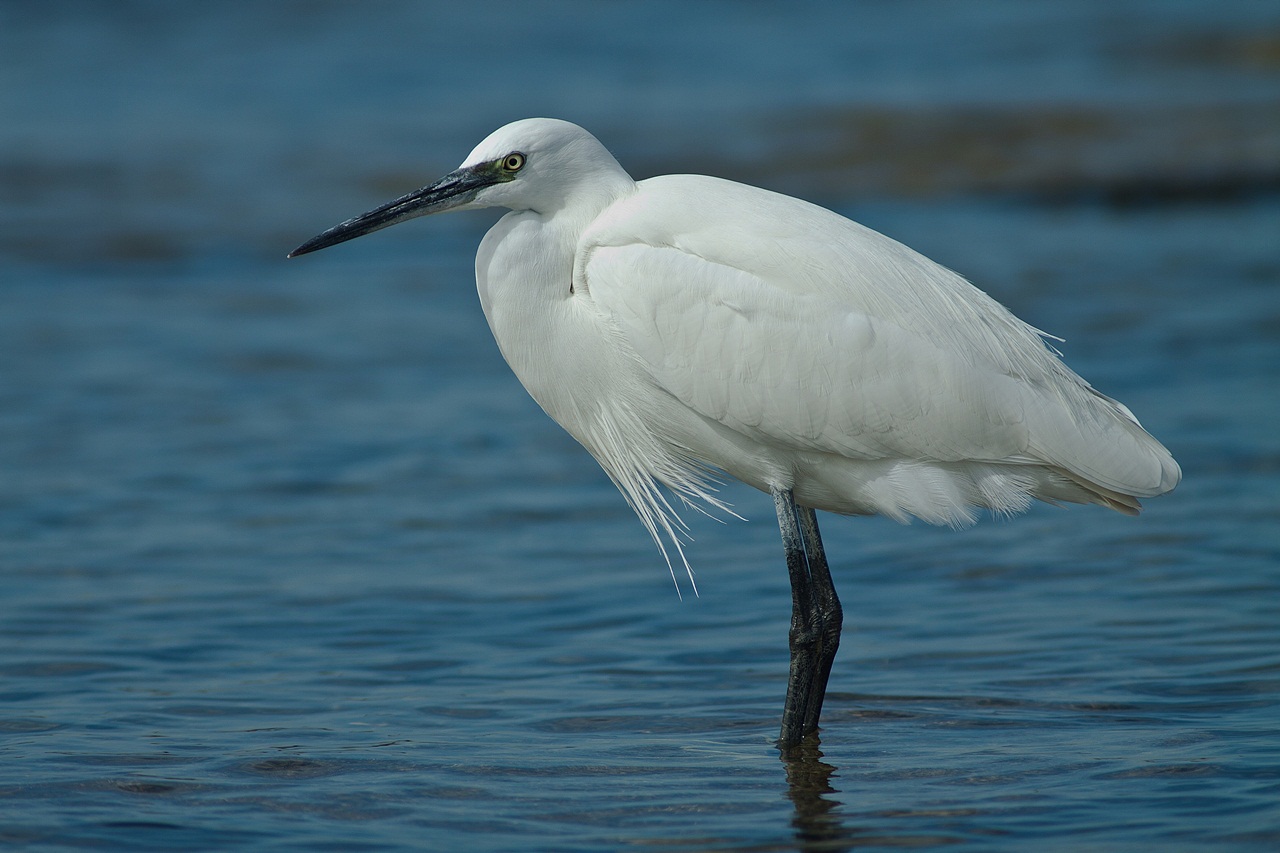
point(513, 162)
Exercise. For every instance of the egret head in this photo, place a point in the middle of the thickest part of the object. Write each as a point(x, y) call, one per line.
point(538, 164)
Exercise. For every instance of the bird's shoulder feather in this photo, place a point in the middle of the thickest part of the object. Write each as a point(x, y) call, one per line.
point(795, 326)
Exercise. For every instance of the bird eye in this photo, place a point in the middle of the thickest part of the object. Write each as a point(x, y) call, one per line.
point(513, 162)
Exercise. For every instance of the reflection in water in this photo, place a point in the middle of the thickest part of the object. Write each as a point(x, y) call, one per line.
point(820, 827)
point(816, 821)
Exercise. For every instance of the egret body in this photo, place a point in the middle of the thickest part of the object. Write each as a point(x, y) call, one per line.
point(684, 325)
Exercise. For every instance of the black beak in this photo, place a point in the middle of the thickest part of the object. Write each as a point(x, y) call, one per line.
point(453, 190)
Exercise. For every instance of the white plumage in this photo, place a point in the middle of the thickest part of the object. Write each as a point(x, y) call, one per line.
point(685, 324)
point(712, 323)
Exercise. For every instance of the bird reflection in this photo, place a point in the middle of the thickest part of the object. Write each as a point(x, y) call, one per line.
point(817, 823)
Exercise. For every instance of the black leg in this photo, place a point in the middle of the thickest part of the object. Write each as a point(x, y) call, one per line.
point(816, 619)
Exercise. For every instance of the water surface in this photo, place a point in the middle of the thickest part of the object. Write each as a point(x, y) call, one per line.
point(288, 560)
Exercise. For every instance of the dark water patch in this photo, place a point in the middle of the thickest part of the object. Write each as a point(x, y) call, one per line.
point(1122, 156)
point(58, 669)
point(293, 768)
point(150, 789)
point(1256, 51)
point(26, 725)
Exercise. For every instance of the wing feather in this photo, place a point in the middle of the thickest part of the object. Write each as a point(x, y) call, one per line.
point(801, 329)
point(803, 372)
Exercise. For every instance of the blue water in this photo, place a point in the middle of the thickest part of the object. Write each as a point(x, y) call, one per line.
point(288, 560)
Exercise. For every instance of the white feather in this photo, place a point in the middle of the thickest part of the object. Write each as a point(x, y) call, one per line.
point(686, 323)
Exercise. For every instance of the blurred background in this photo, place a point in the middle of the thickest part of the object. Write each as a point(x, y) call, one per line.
point(287, 556)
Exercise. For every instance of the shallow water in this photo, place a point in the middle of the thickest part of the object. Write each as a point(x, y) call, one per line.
point(288, 560)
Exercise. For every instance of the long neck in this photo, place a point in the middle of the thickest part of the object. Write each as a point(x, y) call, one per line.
point(524, 276)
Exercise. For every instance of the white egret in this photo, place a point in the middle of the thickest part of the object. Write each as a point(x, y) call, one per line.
point(684, 325)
